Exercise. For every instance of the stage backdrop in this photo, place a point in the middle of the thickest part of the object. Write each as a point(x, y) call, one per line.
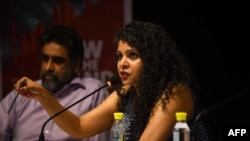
point(96, 20)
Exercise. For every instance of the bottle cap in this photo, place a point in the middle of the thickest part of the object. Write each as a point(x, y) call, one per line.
point(181, 115)
point(118, 115)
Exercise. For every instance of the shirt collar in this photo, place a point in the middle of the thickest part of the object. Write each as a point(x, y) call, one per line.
point(75, 83)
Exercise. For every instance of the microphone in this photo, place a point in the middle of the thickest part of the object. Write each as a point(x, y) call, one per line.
point(112, 81)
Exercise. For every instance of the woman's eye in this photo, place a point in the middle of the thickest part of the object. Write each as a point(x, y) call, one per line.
point(118, 57)
point(133, 55)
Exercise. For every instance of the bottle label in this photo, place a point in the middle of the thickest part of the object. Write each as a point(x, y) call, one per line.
point(118, 137)
point(181, 135)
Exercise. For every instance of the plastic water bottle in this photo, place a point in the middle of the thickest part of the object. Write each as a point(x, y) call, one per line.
point(118, 128)
point(181, 131)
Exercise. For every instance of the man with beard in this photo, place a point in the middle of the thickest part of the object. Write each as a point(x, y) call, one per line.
point(62, 56)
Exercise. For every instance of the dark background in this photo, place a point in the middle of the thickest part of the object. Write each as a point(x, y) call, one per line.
point(214, 35)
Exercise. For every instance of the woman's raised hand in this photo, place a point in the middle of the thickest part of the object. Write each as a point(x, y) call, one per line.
point(29, 88)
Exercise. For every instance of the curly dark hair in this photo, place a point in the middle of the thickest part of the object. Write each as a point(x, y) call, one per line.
point(164, 66)
point(68, 38)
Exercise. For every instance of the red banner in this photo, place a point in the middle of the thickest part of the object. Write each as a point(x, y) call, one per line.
point(96, 20)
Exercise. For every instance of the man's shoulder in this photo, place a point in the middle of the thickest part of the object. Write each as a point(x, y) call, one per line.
point(91, 79)
point(88, 81)
point(92, 84)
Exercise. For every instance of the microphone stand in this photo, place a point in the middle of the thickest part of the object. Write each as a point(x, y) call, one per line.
point(112, 81)
point(212, 108)
point(205, 111)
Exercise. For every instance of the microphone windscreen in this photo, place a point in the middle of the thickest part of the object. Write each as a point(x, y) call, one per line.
point(114, 79)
